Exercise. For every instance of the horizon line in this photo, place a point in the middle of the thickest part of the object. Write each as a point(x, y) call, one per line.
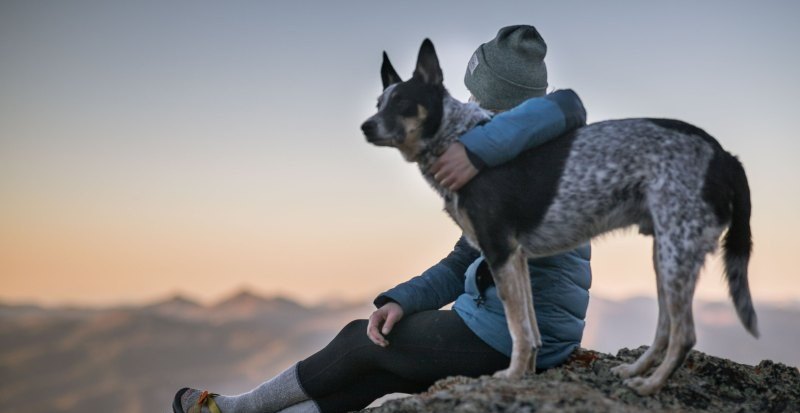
point(245, 290)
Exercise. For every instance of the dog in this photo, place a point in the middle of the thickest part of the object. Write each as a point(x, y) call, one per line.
point(669, 178)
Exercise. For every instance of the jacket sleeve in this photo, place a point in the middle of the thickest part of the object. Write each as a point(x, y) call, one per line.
point(437, 286)
point(530, 124)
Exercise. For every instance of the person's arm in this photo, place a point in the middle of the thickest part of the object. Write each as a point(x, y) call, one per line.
point(530, 124)
point(525, 126)
point(434, 288)
point(437, 286)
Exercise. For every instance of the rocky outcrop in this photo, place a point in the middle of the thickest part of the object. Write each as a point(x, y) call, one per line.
point(585, 384)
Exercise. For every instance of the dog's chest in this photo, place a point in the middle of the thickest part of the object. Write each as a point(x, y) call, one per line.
point(461, 217)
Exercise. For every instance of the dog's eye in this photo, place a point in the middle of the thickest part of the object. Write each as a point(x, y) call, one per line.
point(406, 108)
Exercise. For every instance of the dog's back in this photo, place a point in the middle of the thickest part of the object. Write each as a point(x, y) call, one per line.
point(625, 172)
point(590, 181)
point(665, 176)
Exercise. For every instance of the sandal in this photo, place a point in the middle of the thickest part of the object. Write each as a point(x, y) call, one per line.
point(206, 399)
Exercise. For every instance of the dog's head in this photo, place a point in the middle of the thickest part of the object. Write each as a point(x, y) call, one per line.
point(410, 112)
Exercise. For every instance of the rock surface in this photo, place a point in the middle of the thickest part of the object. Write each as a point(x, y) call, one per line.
point(585, 384)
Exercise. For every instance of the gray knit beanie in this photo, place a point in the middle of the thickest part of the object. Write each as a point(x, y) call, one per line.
point(509, 69)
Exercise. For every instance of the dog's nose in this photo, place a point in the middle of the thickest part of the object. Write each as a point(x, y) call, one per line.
point(369, 127)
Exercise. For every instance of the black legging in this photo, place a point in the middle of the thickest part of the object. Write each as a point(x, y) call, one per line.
point(352, 371)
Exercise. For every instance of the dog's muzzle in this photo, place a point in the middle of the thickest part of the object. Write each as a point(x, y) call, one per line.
point(370, 129)
point(373, 133)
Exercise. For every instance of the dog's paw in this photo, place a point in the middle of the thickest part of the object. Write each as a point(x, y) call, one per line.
point(501, 374)
point(624, 371)
point(643, 386)
point(507, 374)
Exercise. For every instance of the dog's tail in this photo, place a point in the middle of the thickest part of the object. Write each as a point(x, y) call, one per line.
point(738, 244)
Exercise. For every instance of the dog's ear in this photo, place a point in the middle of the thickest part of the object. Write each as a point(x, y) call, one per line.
point(388, 74)
point(428, 64)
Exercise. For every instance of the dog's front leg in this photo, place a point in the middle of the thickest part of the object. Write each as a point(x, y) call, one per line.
point(514, 289)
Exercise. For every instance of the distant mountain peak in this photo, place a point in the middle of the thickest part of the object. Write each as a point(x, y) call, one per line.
point(176, 300)
point(242, 296)
point(245, 303)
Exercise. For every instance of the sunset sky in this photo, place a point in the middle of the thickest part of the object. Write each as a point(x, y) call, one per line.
point(149, 148)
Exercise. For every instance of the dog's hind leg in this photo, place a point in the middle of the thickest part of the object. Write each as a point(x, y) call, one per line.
point(514, 289)
point(680, 257)
point(656, 351)
point(531, 315)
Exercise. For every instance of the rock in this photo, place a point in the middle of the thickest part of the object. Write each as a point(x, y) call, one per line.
point(585, 384)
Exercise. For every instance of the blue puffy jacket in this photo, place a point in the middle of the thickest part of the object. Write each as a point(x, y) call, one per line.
point(560, 283)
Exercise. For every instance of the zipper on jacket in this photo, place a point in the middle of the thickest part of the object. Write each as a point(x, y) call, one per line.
point(479, 300)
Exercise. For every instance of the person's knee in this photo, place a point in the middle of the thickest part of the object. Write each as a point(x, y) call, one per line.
point(353, 344)
point(354, 332)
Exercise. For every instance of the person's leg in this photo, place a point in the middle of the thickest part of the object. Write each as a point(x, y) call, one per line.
point(424, 347)
point(366, 390)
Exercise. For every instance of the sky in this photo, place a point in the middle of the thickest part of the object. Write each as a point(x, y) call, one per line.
point(198, 147)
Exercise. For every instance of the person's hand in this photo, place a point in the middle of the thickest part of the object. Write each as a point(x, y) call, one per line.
point(453, 169)
point(381, 322)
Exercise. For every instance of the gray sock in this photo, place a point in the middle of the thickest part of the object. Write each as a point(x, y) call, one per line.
point(270, 396)
point(308, 406)
point(278, 393)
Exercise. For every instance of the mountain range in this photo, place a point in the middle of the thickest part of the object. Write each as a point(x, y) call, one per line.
point(132, 359)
